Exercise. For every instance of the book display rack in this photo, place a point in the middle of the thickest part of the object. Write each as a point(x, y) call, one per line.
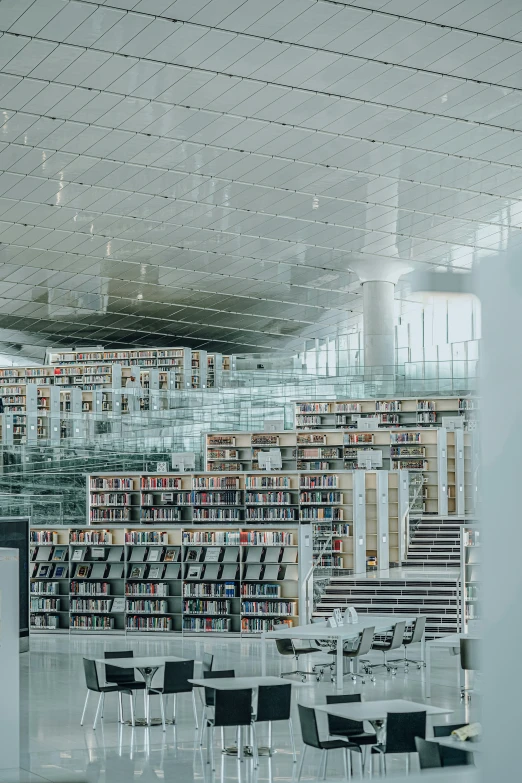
point(172, 579)
point(470, 599)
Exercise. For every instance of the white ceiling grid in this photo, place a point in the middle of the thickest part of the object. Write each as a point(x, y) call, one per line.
point(202, 169)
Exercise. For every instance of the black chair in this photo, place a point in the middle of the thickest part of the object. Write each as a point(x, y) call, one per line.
point(115, 675)
point(209, 698)
point(401, 730)
point(362, 647)
point(412, 637)
point(274, 703)
point(469, 661)
point(452, 757)
point(429, 754)
point(231, 708)
point(310, 735)
point(92, 683)
point(176, 680)
point(352, 730)
point(287, 647)
point(208, 661)
point(391, 642)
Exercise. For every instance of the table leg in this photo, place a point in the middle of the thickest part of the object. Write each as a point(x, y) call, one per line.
point(427, 661)
point(423, 649)
point(263, 655)
point(339, 665)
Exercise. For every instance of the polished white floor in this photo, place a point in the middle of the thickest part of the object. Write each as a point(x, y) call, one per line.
point(56, 748)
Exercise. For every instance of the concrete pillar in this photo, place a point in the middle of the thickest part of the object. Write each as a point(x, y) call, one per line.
point(378, 277)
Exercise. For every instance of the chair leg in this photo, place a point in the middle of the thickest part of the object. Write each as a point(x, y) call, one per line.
point(102, 706)
point(301, 763)
point(269, 737)
point(131, 700)
point(202, 728)
point(240, 753)
point(120, 707)
point(255, 753)
point(292, 739)
point(195, 709)
point(407, 763)
point(325, 764)
point(346, 764)
point(84, 708)
point(162, 708)
point(98, 708)
point(174, 707)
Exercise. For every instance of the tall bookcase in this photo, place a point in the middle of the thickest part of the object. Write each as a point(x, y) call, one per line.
point(471, 561)
point(180, 579)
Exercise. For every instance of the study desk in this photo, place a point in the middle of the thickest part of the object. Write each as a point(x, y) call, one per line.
point(450, 642)
point(467, 747)
point(339, 635)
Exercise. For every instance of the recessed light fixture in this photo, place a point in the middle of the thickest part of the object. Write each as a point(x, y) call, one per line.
point(140, 296)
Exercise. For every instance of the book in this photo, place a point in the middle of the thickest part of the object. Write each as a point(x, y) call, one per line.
point(137, 554)
point(172, 555)
point(194, 572)
point(155, 572)
point(212, 554)
point(154, 554)
point(82, 571)
point(44, 553)
point(78, 554)
point(115, 571)
point(115, 554)
point(231, 554)
point(97, 553)
point(212, 571)
point(118, 605)
point(193, 554)
point(45, 571)
point(137, 572)
point(60, 572)
point(60, 553)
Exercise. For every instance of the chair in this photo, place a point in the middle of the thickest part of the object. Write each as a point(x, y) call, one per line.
point(392, 642)
point(451, 757)
point(401, 730)
point(469, 661)
point(310, 735)
point(287, 647)
point(209, 698)
point(318, 668)
point(362, 647)
point(92, 682)
point(273, 704)
point(429, 754)
point(176, 680)
point(208, 661)
point(352, 730)
point(412, 638)
point(231, 708)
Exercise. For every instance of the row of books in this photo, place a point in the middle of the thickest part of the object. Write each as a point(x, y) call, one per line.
point(269, 607)
point(321, 497)
point(209, 590)
point(199, 606)
point(147, 623)
point(259, 625)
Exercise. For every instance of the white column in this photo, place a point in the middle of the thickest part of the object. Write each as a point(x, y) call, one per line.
point(9, 660)
point(378, 277)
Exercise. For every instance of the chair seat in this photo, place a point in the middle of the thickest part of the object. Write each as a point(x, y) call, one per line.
point(169, 693)
point(306, 650)
point(134, 685)
point(115, 689)
point(360, 738)
point(381, 646)
point(346, 653)
point(336, 744)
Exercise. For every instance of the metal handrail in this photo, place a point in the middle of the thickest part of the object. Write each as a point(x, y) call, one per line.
point(309, 580)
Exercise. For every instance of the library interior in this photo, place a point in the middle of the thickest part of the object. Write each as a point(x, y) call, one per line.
point(260, 295)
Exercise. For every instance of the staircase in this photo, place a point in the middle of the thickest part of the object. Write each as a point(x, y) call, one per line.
point(434, 542)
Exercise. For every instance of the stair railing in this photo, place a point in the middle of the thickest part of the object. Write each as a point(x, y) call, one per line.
point(310, 582)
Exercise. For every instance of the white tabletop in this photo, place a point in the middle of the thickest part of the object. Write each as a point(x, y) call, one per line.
point(452, 640)
point(236, 683)
point(377, 710)
point(451, 742)
point(323, 631)
point(148, 662)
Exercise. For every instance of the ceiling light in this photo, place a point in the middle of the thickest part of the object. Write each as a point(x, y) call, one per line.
point(140, 296)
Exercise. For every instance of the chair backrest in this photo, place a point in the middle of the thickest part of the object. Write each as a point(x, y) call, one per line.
point(91, 675)
point(115, 674)
point(208, 660)
point(343, 726)
point(210, 692)
point(469, 654)
point(418, 630)
point(177, 675)
point(396, 640)
point(274, 702)
point(401, 730)
point(429, 754)
point(308, 722)
point(284, 646)
point(452, 757)
point(233, 708)
point(365, 641)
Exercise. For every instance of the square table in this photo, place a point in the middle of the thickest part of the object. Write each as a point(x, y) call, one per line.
point(376, 711)
point(450, 742)
point(452, 641)
point(340, 634)
point(147, 667)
